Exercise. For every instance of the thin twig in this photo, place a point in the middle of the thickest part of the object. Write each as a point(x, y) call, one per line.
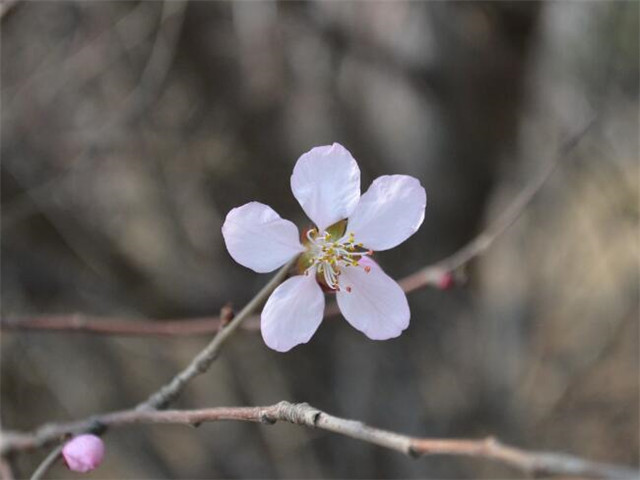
point(113, 325)
point(430, 275)
point(47, 463)
point(205, 358)
point(531, 462)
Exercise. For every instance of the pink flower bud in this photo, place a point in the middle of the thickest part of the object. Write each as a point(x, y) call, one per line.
point(83, 453)
point(446, 281)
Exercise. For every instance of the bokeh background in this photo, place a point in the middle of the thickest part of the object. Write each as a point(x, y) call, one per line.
point(129, 129)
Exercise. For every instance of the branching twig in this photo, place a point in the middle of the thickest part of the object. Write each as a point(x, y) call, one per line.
point(424, 277)
point(430, 275)
point(531, 462)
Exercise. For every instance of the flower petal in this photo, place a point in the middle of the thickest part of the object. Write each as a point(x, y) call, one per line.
point(326, 183)
point(293, 313)
point(259, 239)
point(389, 212)
point(375, 304)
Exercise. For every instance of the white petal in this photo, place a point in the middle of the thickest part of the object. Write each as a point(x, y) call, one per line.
point(293, 313)
point(259, 239)
point(375, 304)
point(326, 183)
point(389, 212)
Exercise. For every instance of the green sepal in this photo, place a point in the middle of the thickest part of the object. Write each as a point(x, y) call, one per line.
point(337, 230)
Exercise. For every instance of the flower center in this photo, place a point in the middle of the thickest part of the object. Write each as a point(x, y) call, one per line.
point(328, 254)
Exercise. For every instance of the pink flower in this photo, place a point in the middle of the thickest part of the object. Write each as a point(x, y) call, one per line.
point(83, 453)
point(335, 254)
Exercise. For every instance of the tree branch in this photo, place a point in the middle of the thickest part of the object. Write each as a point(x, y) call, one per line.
point(303, 414)
point(530, 462)
point(430, 275)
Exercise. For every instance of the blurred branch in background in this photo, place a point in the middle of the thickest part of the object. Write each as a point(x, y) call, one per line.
point(6, 6)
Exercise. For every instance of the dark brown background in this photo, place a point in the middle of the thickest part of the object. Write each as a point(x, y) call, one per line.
point(129, 129)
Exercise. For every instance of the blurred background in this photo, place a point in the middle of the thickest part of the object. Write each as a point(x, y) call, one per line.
point(129, 129)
